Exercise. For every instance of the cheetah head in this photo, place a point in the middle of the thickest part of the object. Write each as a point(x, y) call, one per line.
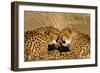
point(65, 37)
point(53, 35)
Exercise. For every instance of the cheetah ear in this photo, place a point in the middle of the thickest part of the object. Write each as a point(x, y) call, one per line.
point(68, 28)
point(71, 29)
point(47, 32)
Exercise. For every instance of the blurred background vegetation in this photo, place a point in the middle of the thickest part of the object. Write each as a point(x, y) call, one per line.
point(78, 21)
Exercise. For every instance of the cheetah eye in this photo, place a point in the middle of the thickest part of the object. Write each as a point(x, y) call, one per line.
point(64, 42)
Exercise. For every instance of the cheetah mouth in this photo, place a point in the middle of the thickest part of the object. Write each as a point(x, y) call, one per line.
point(63, 49)
point(60, 48)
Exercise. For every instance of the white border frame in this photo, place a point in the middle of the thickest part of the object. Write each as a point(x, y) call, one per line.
point(23, 64)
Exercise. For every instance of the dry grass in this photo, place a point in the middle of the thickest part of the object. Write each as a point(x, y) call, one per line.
point(80, 22)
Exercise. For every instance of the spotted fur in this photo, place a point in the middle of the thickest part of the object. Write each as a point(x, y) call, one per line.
point(36, 42)
point(79, 44)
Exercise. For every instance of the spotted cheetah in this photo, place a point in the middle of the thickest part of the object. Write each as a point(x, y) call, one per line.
point(36, 42)
point(78, 43)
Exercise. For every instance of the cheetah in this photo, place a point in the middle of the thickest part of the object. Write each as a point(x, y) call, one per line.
point(78, 43)
point(36, 43)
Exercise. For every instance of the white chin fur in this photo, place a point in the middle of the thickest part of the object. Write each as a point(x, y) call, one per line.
point(53, 42)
